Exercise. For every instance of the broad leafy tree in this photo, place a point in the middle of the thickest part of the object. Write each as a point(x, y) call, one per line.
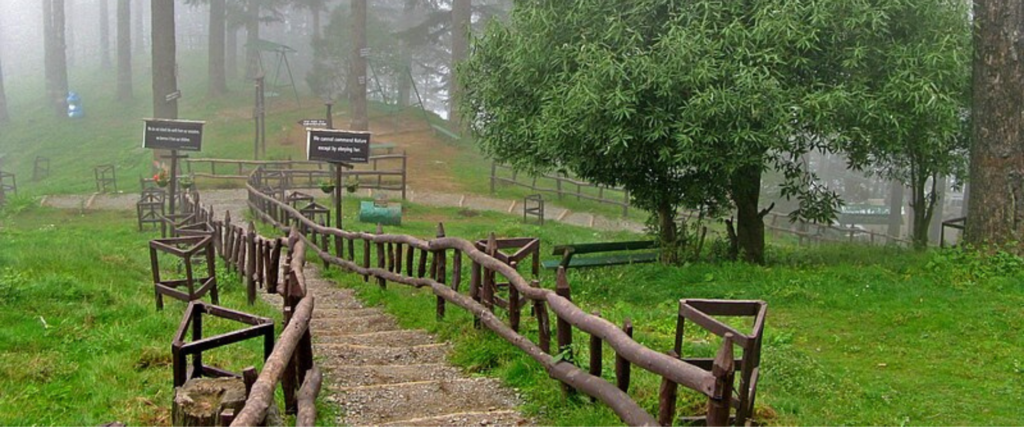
point(683, 103)
point(996, 206)
point(910, 86)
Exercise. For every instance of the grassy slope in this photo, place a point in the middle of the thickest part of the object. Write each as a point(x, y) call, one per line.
point(82, 343)
point(855, 335)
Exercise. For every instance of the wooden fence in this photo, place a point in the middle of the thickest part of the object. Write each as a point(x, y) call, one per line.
point(290, 363)
point(396, 262)
point(563, 187)
point(383, 172)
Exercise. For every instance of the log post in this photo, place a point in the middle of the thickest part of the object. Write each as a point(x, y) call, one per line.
point(366, 260)
point(381, 258)
point(513, 304)
point(723, 370)
point(667, 398)
point(250, 264)
point(489, 275)
point(288, 378)
point(622, 365)
point(200, 402)
point(563, 329)
point(474, 289)
point(398, 259)
point(421, 270)
point(540, 310)
point(410, 258)
point(439, 272)
point(595, 355)
point(456, 270)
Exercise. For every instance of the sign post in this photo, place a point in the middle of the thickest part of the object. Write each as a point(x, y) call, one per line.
point(174, 135)
point(340, 148)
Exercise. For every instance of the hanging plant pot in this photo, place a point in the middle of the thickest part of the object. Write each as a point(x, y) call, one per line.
point(351, 188)
point(327, 188)
point(161, 183)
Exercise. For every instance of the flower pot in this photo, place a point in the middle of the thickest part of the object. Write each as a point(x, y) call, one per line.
point(327, 189)
point(161, 184)
point(351, 188)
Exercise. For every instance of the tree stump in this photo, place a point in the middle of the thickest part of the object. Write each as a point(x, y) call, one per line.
point(201, 401)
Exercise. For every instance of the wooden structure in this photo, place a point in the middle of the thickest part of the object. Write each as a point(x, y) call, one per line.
point(533, 205)
point(568, 253)
point(185, 250)
point(182, 347)
point(959, 224)
point(40, 168)
point(388, 172)
point(700, 312)
point(106, 178)
point(404, 260)
point(8, 183)
point(298, 199)
point(150, 209)
point(562, 186)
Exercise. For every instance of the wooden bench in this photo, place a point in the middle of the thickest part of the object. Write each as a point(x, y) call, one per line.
point(384, 146)
point(452, 135)
point(567, 252)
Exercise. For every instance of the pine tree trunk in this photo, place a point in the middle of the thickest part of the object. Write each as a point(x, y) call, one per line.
point(4, 117)
point(105, 35)
point(316, 23)
point(48, 50)
point(252, 37)
point(746, 194)
point(462, 11)
point(57, 66)
point(139, 28)
point(218, 85)
point(357, 78)
point(996, 206)
point(165, 81)
point(231, 53)
point(124, 50)
point(405, 77)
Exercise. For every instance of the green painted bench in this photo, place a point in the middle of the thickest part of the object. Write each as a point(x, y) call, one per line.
point(568, 253)
point(446, 132)
point(383, 146)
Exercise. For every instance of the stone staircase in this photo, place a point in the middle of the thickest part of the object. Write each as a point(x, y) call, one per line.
point(380, 374)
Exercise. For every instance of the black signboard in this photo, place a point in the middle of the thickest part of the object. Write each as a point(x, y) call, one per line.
point(162, 134)
point(338, 146)
point(314, 123)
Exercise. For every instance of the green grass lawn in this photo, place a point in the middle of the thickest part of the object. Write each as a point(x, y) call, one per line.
point(856, 335)
point(82, 342)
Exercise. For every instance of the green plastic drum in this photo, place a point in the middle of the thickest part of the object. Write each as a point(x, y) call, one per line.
point(372, 214)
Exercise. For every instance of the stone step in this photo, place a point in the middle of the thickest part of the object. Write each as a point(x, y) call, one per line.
point(335, 313)
point(502, 418)
point(396, 338)
point(353, 325)
point(349, 376)
point(418, 401)
point(336, 302)
point(334, 355)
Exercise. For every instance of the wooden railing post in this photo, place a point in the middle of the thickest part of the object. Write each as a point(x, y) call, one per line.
point(667, 399)
point(381, 258)
point(474, 288)
point(563, 328)
point(250, 264)
point(622, 365)
point(540, 310)
point(288, 378)
point(723, 370)
point(595, 355)
point(514, 313)
point(487, 292)
point(439, 273)
point(366, 259)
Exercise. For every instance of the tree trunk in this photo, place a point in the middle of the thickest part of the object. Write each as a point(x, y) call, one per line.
point(4, 117)
point(746, 194)
point(996, 207)
point(252, 36)
point(669, 234)
point(218, 85)
point(895, 208)
point(165, 82)
point(139, 28)
point(922, 210)
point(105, 35)
point(938, 210)
point(231, 53)
point(316, 23)
point(48, 50)
point(124, 50)
point(405, 55)
point(462, 11)
point(56, 59)
point(357, 78)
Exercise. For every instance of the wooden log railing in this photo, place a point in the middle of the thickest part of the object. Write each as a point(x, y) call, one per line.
point(259, 260)
point(564, 186)
point(383, 172)
point(716, 384)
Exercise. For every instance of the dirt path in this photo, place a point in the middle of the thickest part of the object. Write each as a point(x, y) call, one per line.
point(380, 374)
